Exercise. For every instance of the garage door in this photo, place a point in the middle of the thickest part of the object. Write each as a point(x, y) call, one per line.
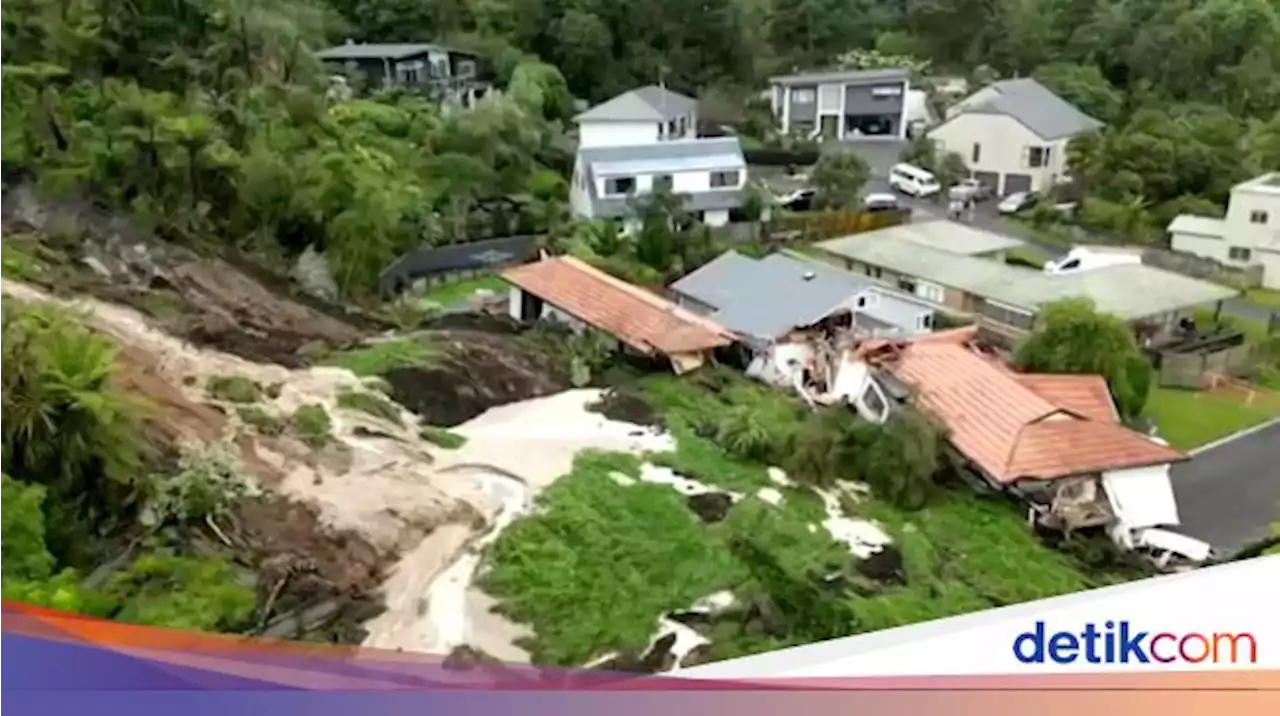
point(1014, 183)
point(991, 180)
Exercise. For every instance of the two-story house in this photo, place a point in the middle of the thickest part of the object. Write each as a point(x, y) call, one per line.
point(645, 140)
point(1013, 135)
point(441, 73)
point(1250, 233)
point(843, 104)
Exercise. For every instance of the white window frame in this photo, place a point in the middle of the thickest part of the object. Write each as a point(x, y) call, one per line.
point(930, 291)
point(804, 95)
point(1045, 154)
point(737, 178)
point(924, 322)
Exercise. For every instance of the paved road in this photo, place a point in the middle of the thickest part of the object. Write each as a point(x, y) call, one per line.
point(1230, 494)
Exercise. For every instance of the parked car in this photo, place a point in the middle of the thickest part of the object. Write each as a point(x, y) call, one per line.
point(880, 202)
point(970, 190)
point(913, 180)
point(1017, 201)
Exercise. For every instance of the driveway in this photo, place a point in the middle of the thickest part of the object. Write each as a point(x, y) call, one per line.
point(1229, 494)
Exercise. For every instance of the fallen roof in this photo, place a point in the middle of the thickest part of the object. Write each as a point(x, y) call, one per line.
point(473, 255)
point(949, 236)
point(635, 316)
point(1010, 431)
point(1203, 226)
point(1035, 106)
point(647, 104)
point(377, 50)
point(887, 74)
point(768, 297)
point(1129, 291)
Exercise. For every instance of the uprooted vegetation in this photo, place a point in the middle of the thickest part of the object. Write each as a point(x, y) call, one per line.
point(587, 574)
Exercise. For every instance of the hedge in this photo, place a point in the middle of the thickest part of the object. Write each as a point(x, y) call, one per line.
point(781, 157)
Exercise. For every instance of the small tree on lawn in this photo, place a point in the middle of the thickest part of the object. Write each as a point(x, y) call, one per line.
point(1072, 337)
point(838, 179)
point(901, 462)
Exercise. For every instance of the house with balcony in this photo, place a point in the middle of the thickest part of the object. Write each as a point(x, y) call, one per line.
point(644, 141)
point(1248, 235)
point(1013, 135)
point(843, 104)
point(442, 74)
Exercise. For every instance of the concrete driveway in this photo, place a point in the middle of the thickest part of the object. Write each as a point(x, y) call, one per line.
point(1229, 494)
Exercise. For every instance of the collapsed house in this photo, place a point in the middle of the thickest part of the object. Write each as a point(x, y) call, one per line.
point(573, 293)
point(797, 320)
point(1054, 441)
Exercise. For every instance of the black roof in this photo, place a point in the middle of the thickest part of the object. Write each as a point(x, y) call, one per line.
point(473, 255)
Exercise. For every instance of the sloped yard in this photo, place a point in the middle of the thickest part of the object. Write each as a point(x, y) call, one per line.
point(608, 552)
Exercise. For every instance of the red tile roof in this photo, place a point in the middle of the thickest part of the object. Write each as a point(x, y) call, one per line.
point(1085, 395)
point(638, 318)
point(1013, 432)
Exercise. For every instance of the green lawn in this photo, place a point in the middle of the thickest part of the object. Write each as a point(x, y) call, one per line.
point(593, 568)
point(378, 358)
point(1189, 419)
point(447, 294)
point(1265, 296)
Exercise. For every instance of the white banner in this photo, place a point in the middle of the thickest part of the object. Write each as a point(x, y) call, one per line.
point(1218, 618)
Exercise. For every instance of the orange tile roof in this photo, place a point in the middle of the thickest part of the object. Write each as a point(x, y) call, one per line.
point(1013, 432)
point(1085, 395)
point(635, 316)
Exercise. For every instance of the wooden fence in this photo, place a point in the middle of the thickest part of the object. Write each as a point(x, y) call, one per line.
point(822, 225)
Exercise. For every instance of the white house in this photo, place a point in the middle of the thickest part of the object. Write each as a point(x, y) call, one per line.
point(843, 104)
point(1250, 233)
point(645, 139)
point(1013, 135)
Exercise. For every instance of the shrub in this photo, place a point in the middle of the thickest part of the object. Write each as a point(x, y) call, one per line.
point(744, 433)
point(370, 404)
point(206, 487)
point(441, 437)
point(233, 389)
point(312, 424)
point(900, 462)
point(260, 420)
point(770, 157)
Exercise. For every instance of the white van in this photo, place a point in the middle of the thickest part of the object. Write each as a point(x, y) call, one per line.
point(913, 180)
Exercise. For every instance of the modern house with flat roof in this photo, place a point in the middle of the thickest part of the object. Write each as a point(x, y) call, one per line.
point(442, 73)
point(1248, 235)
point(644, 141)
point(842, 104)
point(1005, 299)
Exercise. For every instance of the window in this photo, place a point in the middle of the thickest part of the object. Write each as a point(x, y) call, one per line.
point(976, 154)
point(662, 182)
point(1006, 315)
point(466, 68)
point(1258, 217)
point(804, 95)
point(929, 292)
point(683, 127)
point(671, 130)
point(619, 185)
point(441, 68)
point(1037, 157)
point(874, 271)
point(924, 322)
point(724, 180)
point(907, 285)
point(409, 76)
point(661, 127)
point(1239, 253)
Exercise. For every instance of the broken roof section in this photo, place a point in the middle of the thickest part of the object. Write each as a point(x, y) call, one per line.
point(1021, 427)
point(769, 297)
point(635, 316)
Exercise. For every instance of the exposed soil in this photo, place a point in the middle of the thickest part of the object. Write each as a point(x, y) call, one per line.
point(884, 566)
point(476, 371)
point(711, 506)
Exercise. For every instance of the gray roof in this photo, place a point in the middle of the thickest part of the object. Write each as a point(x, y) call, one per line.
point(377, 50)
point(848, 77)
point(767, 297)
point(647, 104)
point(1203, 226)
point(949, 236)
point(1032, 104)
point(718, 153)
point(1130, 291)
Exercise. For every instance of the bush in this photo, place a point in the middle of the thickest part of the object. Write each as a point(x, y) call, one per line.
point(312, 424)
point(207, 486)
point(901, 461)
point(771, 157)
point(259, 419)
point(233, 389)
point(370, 404)
point(441, 437)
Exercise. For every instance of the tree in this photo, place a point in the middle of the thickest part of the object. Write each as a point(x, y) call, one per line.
point(1072, 337)
point(901, 460)
point(838, 179)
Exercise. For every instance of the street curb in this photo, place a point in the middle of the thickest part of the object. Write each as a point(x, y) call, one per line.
point(1235, 436)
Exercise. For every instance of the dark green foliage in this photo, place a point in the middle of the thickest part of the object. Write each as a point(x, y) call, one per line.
point(442, 437)
point(370, 404)
point(233, 389)
point(312, 424)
